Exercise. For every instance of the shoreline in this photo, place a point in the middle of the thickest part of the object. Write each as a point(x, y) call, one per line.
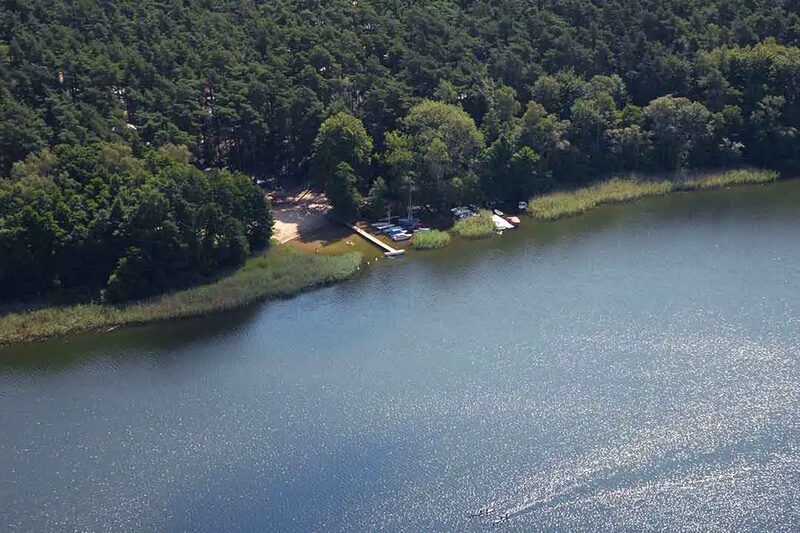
point(563, 204)
point(285, 271)
point(281, 272)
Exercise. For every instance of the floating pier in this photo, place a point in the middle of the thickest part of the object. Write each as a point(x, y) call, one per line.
point(388, 251)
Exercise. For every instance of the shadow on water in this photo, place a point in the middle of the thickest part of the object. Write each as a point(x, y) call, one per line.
point(158, 338)
point(775, 200)
point(632, 368)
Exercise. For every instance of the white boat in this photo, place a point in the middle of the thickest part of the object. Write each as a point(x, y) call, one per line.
point(401, 236)
point(501, 224)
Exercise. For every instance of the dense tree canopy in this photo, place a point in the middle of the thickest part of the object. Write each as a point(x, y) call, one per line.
point(98, 217)
point(436, 151)
point(341, 148)
point(248, 83)
point(448, 100)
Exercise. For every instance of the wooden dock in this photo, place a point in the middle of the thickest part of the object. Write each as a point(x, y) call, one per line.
point(388, 251)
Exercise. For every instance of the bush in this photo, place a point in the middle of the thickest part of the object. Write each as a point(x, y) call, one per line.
point(477, 227)
point(429, 240)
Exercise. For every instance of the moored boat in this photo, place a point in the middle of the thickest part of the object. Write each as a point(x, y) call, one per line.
point(380, 226)
point(501, 224)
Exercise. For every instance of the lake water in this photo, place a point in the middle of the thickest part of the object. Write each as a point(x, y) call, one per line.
point(637, 368)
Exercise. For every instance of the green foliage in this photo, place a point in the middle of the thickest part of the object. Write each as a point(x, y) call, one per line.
point(22, 131)
point(280, 272)
point(678, 125)
point(475, 227)
point(108, 109)
point(543, 132)
point(96, 216)
point(439, 143)
point(342, 192)
point(743, 176)
point(377, 200)
point(502, 114)
point(342, 146)
point(429, 240)
point(564, 204)
point(341, 139)
point(247, 84)
point(179, 153)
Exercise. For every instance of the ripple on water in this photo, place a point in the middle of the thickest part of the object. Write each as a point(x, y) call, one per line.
point(693, 432)
point(635, 384)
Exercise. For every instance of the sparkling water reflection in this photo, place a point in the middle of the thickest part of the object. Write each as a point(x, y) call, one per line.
point(635, 369)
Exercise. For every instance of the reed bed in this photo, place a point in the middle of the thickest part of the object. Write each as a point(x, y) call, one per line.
point(476, 227)
point(429, 240)
point(284, 271)
point(281, 272)
point(744, 176)
point(570, 203)
point(565, 204)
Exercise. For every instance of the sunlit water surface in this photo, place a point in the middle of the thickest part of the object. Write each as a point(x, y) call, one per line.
point(634, 369)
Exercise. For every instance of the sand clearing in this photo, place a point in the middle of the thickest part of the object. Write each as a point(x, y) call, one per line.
point(301, 213)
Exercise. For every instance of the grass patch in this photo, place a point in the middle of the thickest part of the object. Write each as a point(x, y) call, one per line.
point(726, 179)
point(280, 272)
point(429, 240)
point(565, 204)
point(477, 227)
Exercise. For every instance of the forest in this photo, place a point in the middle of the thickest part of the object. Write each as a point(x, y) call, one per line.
point(131, 131)
point(98, 217)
